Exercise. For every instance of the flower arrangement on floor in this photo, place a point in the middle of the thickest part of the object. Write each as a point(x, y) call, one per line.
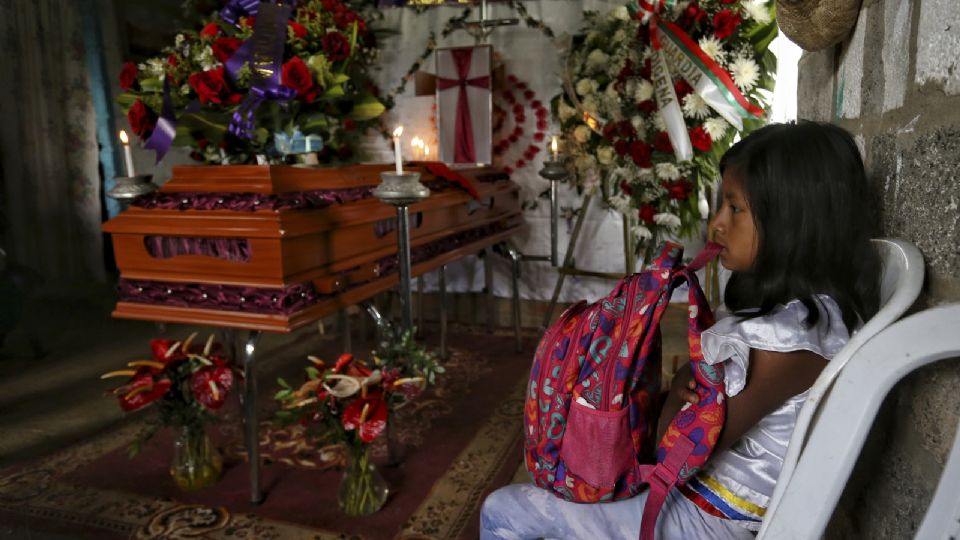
point(350, 402)
point(655, 92)
point(185, 383)
point(310, 90)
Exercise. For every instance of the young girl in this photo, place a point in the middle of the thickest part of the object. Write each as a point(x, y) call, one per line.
point(795, 227)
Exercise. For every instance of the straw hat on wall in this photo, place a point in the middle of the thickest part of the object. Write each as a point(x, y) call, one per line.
point(817, 24)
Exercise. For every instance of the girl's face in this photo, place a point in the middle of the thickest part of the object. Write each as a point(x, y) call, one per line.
point(733, 225)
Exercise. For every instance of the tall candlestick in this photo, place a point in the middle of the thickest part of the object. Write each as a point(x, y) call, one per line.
point(554, 149)
point(396, 148)
point(127, 153)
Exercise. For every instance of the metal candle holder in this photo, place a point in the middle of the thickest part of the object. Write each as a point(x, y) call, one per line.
point(401, 190)
point(554, 172)
point(128, 188)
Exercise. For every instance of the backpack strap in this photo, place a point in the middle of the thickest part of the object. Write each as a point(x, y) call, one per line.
point(669, 255)
point(677, 459)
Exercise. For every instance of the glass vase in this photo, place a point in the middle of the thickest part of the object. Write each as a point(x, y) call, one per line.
point(362, 490)
point(196, 463)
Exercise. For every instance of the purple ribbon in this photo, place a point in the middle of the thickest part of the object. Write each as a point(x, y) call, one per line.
point(264, 53)
point(166, 128)
point(237, 8)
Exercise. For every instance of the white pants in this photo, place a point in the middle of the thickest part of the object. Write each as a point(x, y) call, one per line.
point(524, 511)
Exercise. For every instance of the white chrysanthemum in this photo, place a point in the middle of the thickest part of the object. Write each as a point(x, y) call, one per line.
point(585, 162)
point(667, 171)
point(178, 41)
point(581, 134)
point(658, 122)
point(620, 203)
point(641, 233)
point(586, 86)
point(590, 105)
point(666, 219)
point(620, 13)
point(745, 73)
point(712, 47)
point(716, 127)
point(757, 10)
point(644, 90)
point(695, 107)
point(611, 90)
point(185, 90)
point(596, 60)
point(637, 123)
point(565, 111)
point(619, 36)
point(605, 155)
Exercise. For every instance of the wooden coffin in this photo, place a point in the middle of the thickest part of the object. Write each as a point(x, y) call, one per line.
point(275, 247)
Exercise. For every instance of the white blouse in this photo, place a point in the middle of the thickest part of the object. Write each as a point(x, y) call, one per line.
point(740, 480)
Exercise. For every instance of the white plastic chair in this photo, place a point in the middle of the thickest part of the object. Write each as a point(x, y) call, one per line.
point(899, 287)
point(836, 439)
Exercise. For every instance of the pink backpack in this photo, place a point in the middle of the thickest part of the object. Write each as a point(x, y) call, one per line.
point(590, 417)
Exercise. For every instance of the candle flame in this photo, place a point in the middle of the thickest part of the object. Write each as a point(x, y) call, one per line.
point(426, 150)
point(553, 145)
point(397, 132)
point(123, 137)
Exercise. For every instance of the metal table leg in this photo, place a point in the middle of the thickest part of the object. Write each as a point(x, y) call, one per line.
point(443, 311)
point(420, 305)
point(515, 258)
point(343, 326)
point(251, 424)
point(488, 286)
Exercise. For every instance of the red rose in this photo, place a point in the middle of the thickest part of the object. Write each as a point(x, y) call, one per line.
point(128, 75)
point(210, 30)
point(725, 23)
point(692, 16)
point(661, 143)
point(331, 5)
point(622, 147)
point(344, 18)
point(142, 120)
point(298, 29)
point(646, 213)
point(678, 190)
point(336, 46)
point(210, 86)
point(701, 139)
point(348, 124)
point(626, 72)
point(647, 106)
point(682, 88)
point(248, 21)
point(640, 153)
point(223, 48)
point(626, 129)
point(172, 60)
point(625, 188)
point(296, 75)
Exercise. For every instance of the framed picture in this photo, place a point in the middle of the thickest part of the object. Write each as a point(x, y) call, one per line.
point(465, 105)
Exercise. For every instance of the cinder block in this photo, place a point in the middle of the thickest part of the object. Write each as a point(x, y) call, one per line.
point(850, 72)
point(938, 38)
point(815, 85)
point(896, 52)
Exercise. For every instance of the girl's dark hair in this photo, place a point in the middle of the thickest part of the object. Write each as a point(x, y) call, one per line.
point(815, 213)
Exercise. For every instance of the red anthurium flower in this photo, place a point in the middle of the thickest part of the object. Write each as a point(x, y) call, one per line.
point(141, 390)
point(348, 366)
point(160, 348)
point(367, 416)
point(210, 385)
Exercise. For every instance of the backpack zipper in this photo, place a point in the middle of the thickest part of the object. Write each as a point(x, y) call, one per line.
point(607, 382)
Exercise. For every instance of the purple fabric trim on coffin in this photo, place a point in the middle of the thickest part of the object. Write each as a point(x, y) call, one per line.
point(286, 301)
point(294, 200)
point(166, 247)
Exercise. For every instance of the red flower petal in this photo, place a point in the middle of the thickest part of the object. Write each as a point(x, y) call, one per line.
point(220, 377)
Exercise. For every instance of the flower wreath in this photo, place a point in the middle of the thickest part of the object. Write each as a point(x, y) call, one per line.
point(655, 93)
point(203, 92)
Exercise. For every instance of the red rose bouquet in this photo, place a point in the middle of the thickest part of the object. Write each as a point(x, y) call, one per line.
point(204, 93)
point(185, 383)
point(349, 401)
point(647, 76)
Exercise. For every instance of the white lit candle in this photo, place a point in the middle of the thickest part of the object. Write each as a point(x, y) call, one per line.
point(127, 153)
point(396, 148)
point(426, 152)
point(554, 148)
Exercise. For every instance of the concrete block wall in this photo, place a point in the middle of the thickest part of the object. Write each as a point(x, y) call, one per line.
point(895, 84)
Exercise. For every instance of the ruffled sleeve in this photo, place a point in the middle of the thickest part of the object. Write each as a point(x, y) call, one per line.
point(782, 330)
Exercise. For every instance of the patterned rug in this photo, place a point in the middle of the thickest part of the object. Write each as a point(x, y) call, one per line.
point(457, 443)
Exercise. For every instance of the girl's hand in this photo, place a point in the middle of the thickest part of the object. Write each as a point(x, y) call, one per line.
point(683, 387)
